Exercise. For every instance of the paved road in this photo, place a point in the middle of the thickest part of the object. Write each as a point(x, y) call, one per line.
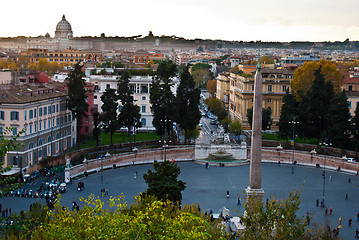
point(209, 186)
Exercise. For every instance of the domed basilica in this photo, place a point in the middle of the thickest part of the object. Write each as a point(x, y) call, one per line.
point(63, 29)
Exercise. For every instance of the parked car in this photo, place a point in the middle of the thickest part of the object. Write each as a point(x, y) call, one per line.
point(200, 125)
point(350, 159)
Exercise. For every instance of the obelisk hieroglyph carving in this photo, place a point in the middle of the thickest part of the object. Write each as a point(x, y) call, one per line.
point(255, 175)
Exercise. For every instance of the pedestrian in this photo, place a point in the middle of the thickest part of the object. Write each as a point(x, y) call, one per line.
point(349, 180)
point(308, 218)
point(330, 178)
point(340, 222)
point(326, 211)
point(9, 211)
point(357, 233)
point(0, 207)
point(350, 222)
point(135, 175)
point(346, 196)
point(358, 217)
point(227, 193)
point(106, 191)
point(6, 212)
point(330, 211)
point(239, 201)
point(317, 202)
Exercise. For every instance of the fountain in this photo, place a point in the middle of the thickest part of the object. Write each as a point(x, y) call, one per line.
point(221, 149)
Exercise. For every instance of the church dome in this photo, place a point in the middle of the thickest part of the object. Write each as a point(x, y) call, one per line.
point(63, 29)
point(63, 25)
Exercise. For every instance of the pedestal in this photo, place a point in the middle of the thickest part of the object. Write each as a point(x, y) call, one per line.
point(254, 193)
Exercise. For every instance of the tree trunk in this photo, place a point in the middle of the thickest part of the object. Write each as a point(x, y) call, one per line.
point(111, 133)
point(129, 136)
point(185, 136)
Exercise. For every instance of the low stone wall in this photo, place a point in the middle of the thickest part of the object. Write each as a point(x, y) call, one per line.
point(303, 157)
point(179, 153)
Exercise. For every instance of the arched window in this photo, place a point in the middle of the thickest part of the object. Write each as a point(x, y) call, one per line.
point(40, 142)
point(49, 139)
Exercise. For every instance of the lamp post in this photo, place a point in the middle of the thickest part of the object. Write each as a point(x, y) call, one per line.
point(293, 122)
point(311, 154)
point(325, 145)
point(135, 150)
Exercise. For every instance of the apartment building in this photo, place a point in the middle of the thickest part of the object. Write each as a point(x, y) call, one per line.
point(140, 87)
point(40, 110)
point(241, 93)
point(68, 56)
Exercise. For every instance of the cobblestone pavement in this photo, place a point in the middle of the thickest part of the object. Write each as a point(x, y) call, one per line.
point(209, 187)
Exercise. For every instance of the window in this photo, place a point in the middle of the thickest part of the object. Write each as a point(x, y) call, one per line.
point(269, 100)
point(284, 88)
point(35, 113)
point(49, 108)
point(62, 120)
point(143, 109)
point(69, 117)
point(350, 104)
point(143, 122)
point(0, 129)
point(35, 127)
point(144, 89)
point(14, 115)
point(57, 121)
point(65, 118)
point(40, 112)
point(57, 107)
point(45, 111)
point(49, 123)
point(350, 88)
point(40, 142)
point(108, 86)
point(53, 109)
point(2, 115)
point(143, 98)
point(269, 88)
point(44, 124)
point(40, 126)
point(252, 87)
point(30, 128)
point(14, 131)
point(53, 122)
point(31, 114)
point(96, 88)
point(25, 115)
point(95, 97)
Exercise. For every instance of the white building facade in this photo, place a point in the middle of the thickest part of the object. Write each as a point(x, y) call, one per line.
point(139, 85)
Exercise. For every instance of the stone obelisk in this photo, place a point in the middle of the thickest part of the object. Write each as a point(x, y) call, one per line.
point(255, 175)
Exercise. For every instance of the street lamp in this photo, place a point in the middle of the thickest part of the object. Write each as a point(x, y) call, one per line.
point(293, 122)
point(311, 154)
point(135, 150)
point(325, 145)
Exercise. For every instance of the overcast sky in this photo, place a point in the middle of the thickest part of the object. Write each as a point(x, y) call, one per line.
point(247, 20)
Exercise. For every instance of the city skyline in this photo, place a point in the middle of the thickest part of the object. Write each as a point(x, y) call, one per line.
point(278, 20)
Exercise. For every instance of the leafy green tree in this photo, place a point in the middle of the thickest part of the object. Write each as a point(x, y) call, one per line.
point(288, 111)
point(109, 108)
point(201, 76)
point(147, 218)
point(354, 130)
point(235, 127)
point(130, 116)
point(277, 219)
point(8, 143)
point(216, 106)
point(96, 122)
point(163, 181)
point(266, 117)
point(304, 76)
point(162, 98)
point(187, 101)
point(200, 66)
point(77, 95)
point(319, 97)
point(339, 120)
